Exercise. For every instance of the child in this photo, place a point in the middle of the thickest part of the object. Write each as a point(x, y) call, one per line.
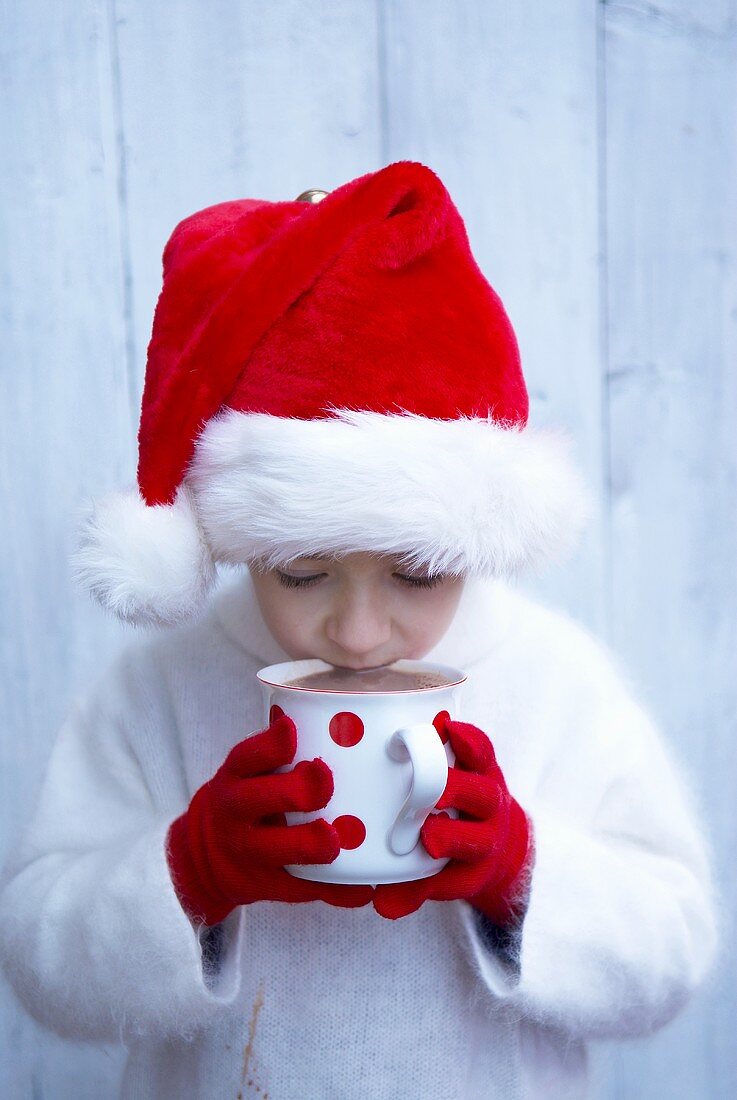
point(334, 398)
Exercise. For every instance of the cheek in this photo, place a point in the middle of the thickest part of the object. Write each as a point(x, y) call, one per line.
point(282, 615)
point(292, 624)
point(424, 622)
point(299, 621)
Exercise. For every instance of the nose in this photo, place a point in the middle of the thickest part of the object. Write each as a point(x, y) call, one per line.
point(359, 626)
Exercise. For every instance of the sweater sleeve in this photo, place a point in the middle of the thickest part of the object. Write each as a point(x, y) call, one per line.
point(92, 936)
point(621, 924)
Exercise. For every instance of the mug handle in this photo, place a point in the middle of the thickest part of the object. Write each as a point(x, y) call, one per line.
point(422, 745)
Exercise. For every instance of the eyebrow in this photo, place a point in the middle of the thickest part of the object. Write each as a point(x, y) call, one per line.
point(315, 557)
point(303, 563)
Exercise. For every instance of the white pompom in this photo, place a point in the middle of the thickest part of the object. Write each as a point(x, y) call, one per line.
point(148, 564)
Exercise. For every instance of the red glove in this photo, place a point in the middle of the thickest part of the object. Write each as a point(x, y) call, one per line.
point(230, 846)
point(489, 845)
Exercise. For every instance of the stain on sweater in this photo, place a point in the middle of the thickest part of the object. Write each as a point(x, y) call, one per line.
point(247, 1081)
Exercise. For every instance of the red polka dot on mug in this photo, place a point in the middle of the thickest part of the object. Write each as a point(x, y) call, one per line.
point(346, 729)
point(274, 713)
point(351, 830)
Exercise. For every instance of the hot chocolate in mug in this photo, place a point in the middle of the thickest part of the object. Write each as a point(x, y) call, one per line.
point(389, 763)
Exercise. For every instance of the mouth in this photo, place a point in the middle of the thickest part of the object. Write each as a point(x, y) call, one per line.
point(362, 668)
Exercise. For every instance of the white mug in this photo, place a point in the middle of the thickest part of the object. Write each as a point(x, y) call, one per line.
point(389, 764)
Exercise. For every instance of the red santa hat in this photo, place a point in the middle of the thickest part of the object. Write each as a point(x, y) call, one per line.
point(323, 377)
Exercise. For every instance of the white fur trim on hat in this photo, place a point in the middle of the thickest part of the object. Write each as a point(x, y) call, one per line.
point(454, 496)
point(150, 565)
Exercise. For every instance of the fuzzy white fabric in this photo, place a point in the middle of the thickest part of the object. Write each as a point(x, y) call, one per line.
point(463, 496)
point(150, 566)
point(342, 1004)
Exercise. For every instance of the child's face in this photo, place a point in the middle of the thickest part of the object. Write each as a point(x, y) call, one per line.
point(358, 612)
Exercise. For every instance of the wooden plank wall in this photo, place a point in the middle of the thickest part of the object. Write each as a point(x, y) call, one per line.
point(591, 150)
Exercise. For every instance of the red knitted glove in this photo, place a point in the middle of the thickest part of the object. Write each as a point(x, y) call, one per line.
point(230, 846)
point(489, 845)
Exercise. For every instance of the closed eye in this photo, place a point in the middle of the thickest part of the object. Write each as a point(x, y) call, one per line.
point(288, 580)
point(421, 582)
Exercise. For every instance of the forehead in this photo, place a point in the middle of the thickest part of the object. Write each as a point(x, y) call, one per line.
point(354, 558)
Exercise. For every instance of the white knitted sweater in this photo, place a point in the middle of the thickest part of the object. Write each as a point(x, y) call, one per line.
point(312, 1002)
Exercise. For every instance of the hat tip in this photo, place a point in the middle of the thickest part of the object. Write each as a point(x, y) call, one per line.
point(148, 565)
point(312, 195)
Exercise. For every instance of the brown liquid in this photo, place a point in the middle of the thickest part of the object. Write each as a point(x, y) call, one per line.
point(378, 679)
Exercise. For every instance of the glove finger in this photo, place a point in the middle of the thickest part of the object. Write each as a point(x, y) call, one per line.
point(399, 899)
point(305, 787)
point(346, 897)
point(285, 887)
point(471, 793)
point(458, 880)
point(469, 841)
point(273, 819)
point(472, 747)
point(289, 888)
point(276, 845)
point(264, 751)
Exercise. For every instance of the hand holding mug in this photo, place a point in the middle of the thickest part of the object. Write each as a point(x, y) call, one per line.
point(489, 846)
point(230, 846)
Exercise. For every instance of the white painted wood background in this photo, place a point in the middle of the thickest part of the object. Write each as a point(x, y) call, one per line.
point(591, 149)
